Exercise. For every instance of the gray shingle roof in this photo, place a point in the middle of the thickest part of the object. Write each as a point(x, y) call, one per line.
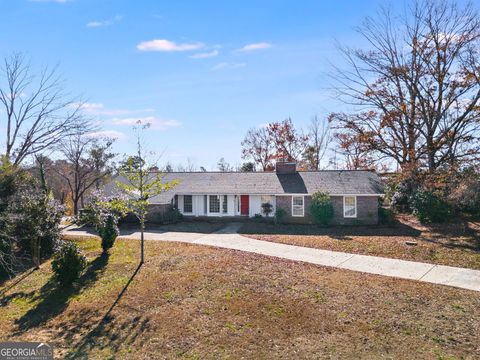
point(334, 182)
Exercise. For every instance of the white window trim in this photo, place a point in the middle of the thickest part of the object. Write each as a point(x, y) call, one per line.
point(219, 213)
point(350, 216)
point(303, 206)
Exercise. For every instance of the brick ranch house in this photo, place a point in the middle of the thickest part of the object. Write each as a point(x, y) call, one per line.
point(354, 194)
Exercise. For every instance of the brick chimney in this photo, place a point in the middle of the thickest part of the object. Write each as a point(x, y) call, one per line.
point(286, 167)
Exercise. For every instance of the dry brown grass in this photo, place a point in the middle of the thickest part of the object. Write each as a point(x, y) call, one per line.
point(194, 302)
point(454, 244)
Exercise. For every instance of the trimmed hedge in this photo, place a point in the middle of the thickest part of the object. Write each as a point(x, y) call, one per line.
point(321, 208)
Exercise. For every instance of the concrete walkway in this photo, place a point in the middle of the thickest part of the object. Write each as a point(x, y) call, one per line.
point(229, 238)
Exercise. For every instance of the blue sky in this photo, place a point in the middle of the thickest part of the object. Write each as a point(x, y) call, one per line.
point(203, 72)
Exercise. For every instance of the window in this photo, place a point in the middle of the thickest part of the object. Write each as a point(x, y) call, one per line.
point(297, 205)
point(350, 206)
point(187, 203)
point(214, 203)
point(225, 204)
point(266, 199)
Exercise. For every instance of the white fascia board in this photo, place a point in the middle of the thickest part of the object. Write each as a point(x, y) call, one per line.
point(284, 194)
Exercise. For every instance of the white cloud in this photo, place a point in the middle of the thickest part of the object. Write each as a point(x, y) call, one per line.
point(205, 55)
point(111, 134)
point(225, 65)
point(107, 22)
point(99, 109)
point(167, 46)
point(90, 106)
point(155, 123)
point(256, 46)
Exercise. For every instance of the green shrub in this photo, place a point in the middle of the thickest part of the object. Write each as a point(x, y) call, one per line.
point(321, 208)
point(34, 221)
point(109, 232)
point(401, 194)
point(429, 207)
point(86, 217)
point(68, 263)
point(386, 216)
point(267, 208)
point(6, 257)
point(280, 215)
point(171, 216)
point(103, 213)
point(258, 217)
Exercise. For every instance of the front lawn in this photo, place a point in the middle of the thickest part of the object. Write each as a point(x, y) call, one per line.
point(454, 244)
point(195, 302)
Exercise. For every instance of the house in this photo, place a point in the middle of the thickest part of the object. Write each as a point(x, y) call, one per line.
point(354, 193)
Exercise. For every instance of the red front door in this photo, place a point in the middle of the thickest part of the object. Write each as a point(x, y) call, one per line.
point(244, 204)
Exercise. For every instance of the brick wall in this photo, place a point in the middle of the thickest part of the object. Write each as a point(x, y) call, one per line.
point(285, 202)
point(367, 210)
point(154, 215)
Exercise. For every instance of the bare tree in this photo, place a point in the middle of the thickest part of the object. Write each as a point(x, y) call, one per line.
point(259, 147)
point(87, 164)
point(319, 140)
point(191, 166)
point(353, 154)
point(38, 111)
point(224, 166)
point(417, 88)
point(168, 167)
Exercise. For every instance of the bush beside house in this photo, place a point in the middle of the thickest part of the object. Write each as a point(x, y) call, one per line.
point(267, 208)
point(429, 207)
point(279, 217)
point(436, 197)
point(321, 208)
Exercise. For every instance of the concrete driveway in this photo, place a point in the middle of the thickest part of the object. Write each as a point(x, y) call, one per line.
point(228, 238)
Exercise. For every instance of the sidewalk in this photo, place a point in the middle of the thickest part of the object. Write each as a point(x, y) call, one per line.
point(228, 238)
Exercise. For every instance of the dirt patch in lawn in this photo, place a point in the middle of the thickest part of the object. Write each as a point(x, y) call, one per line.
point(197, 302)
point(454, 244)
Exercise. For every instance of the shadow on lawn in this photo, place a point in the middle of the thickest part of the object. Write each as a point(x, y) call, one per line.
point(54, 298)
point(337, 232)
point(108, 333)
point(129, 228)
point(17, 281)
point(461, 234)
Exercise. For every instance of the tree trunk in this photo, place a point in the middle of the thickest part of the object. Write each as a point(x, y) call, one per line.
point(75, 207)
point(142, 245)
point(36, 253)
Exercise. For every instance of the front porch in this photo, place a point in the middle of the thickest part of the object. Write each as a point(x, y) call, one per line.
point(232, 206)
